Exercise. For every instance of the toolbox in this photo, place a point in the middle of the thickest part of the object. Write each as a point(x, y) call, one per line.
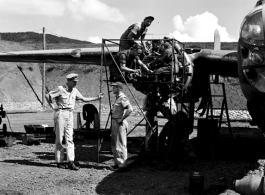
point(38, 129)
point(35, 133)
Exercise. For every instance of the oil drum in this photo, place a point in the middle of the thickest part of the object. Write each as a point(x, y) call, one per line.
point(196, 183)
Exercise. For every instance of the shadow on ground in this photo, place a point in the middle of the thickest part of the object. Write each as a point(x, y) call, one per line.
point(231, 159)
point(29, 163)
point(85, 153)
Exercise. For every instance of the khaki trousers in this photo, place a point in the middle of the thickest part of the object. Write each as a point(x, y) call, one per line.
point(63, 124)
point(119, 142)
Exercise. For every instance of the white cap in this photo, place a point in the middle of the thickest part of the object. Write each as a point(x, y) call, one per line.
point(72, 76)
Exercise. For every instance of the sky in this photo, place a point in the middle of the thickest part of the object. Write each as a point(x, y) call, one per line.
point(94, 20)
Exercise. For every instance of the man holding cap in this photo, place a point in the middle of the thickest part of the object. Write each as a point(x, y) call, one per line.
point(62, 101)
point(134, 32)
point(121, 109)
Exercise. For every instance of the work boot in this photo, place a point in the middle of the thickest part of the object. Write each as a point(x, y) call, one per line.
point(61, 165)
point(77, 164)
point(72, 166)
point(113, 167)
point(122, 169)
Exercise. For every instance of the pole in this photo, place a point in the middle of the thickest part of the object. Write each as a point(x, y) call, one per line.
point(101, 65)
point(43, 73)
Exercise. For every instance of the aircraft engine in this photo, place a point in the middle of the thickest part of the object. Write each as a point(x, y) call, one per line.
point(252, 51)
point(251, 63)
point(180, 83)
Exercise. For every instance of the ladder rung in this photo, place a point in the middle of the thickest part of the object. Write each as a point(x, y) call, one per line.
point(211, 83)
point(215, 116)
point(221, 118)
point(217, 95)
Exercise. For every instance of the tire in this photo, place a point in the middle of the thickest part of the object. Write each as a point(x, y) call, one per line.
point(4, 129)
point(91, 116)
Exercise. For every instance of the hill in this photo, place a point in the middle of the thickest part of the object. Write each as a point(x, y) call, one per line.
point(16, 84)
point(32, 37)
point(35, 40)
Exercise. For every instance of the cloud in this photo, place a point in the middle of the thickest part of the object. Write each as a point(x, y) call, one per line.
point(199, 28)
point(94, 39)
point(49, 8)
point(77, 9)
point(94, 9)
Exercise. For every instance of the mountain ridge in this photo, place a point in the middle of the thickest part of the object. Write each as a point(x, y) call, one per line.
point(37, 37)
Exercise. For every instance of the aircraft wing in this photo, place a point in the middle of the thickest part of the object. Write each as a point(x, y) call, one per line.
point(216, 62)
point(63, 56)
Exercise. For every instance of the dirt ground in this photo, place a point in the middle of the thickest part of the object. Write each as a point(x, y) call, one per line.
point(31, 169)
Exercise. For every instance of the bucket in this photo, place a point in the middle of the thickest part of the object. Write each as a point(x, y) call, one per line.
point(9, 141)
point(253, 184)
point(38, 129)
point(196, 183)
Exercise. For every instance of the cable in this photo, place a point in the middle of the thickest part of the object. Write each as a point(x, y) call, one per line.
point(9, 123)
point(156, 29)
point(155, 34)
point(52, 33)
point(35, 30)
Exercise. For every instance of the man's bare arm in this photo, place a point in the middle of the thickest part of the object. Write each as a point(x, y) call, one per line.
point(127, 113)
point(89, 99)
point(129, 110)
point(126, 69)
point(144, 66)
point(50, 101)
point(131, 38)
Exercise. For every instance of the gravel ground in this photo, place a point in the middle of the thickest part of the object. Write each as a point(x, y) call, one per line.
point(31, 169)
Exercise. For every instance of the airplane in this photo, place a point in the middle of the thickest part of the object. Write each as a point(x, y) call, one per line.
point(247, 63)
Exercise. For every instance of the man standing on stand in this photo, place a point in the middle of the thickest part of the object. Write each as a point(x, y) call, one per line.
point(134, 32)
point(62, 101)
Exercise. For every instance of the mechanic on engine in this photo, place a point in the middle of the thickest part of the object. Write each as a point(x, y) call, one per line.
point(168, 59)
point(134, 32)
point(128, 61)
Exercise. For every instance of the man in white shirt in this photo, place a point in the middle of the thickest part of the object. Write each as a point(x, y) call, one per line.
point(62, 101)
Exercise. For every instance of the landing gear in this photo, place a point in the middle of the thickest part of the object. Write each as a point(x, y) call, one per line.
point(3, 115)
point(4, 129)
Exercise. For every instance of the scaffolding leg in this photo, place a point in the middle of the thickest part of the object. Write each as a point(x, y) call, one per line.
point(191, 116)
point(151, 137)
point(228, 122)
point(135, 126)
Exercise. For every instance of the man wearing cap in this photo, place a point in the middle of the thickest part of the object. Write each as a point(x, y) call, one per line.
point(62, 101)
point(134, 32)
point(128, 61)
point(121, 109)
point(169, 58)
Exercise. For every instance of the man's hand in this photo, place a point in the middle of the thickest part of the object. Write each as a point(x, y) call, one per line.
point(147, 53)
point(100, 96)
point(55, 108)
point(150, 71)
point(137, 71)
point(120, 121)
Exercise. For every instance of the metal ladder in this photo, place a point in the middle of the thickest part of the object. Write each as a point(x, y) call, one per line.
point(210, 108)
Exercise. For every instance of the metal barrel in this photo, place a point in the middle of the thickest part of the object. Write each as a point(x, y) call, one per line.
point(196, 185)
